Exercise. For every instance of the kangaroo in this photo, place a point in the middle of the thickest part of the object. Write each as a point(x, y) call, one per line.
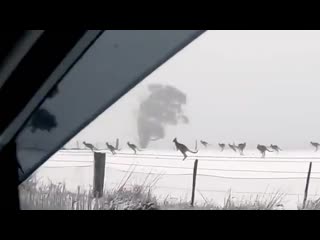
point(204, 143)
point(233, 147)
point(316, 145)
point(263, 150)
point(275, 148)
point(90, 146)
point(182, 148)
point(111, 148)
point(241, 147)
point(222, 146)
point(133, 147)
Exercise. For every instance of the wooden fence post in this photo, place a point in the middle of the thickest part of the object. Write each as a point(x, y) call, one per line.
point(194, 180)
point(307, 186)
point(98, 174)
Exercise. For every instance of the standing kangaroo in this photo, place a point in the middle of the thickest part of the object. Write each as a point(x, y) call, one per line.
point(233, 147)
point(222, 146)
point(111, 148)
point(263, 150)
point(182, 148)
point(316, 145)
point(241, 147)
point(90, 146)
point(204, 143)
point(275, 148)
point(133, 147)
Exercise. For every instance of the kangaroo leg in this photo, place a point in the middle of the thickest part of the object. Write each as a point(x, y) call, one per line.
point(185, 156)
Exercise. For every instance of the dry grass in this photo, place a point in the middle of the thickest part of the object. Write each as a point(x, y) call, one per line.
point(258, 202)
point(311, 205)
point(37, 196)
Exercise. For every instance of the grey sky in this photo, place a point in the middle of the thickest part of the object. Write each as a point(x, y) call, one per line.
point(253, 86)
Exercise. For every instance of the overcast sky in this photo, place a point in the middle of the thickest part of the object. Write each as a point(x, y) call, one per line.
point(254, 86)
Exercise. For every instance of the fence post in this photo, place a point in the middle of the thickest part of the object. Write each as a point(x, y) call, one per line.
point(194, 180)
point(307, 186)
point(98, 174)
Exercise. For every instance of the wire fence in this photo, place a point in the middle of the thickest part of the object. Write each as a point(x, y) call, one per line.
point(217, 174)
point(182, 168)
point(207, 158)
point(209, 178)
point(169, 156)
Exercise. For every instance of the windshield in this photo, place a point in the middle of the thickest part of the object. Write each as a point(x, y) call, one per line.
point(228, 122)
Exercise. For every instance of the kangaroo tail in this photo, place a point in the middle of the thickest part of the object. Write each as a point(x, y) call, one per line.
point(192, 151)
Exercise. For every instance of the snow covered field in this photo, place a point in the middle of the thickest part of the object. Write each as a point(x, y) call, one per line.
point(218, 173)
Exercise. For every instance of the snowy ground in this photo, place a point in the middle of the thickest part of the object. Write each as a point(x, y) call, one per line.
point(218, 172)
